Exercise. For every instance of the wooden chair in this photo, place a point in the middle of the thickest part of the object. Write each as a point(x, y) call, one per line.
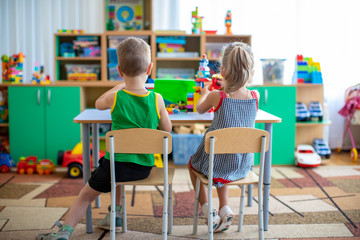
point(226, 141)
point(142, 141)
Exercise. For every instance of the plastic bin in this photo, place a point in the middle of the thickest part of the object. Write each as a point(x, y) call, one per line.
point(184, 145)
point(273, 70)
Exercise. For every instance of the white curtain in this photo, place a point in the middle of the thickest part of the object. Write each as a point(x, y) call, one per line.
point(29, 26)
point(326, 30)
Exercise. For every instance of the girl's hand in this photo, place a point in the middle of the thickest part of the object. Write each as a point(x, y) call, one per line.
point(205, 90)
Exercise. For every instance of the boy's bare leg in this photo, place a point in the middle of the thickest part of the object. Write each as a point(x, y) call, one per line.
point(118, 195)
point(202, 193)
point(79, 206)
point(223, 196)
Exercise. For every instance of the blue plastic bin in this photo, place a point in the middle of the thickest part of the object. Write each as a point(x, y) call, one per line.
point(183, 146)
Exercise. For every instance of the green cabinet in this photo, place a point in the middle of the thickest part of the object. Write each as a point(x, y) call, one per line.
point(41, 120)
point(280, 101)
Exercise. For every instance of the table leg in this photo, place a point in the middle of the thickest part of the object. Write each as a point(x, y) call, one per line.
point(95, 152)
point(267, 177)
point(86, 169)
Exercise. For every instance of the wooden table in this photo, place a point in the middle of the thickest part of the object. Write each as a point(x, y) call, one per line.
point(93, 117)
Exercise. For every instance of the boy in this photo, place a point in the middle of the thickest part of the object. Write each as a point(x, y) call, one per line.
point(132, 106)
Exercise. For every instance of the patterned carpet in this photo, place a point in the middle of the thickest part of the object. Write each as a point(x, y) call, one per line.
point(319, 203)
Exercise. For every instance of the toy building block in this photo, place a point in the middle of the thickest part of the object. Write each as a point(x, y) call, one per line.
point(196, 21)
point(228, 22)
point(307, 71)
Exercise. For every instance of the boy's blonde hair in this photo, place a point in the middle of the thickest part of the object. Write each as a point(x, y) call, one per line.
point(134, 56)
point(238, 64)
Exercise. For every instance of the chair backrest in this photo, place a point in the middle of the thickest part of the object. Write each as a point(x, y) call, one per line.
point(138, 140)
point(236, 140)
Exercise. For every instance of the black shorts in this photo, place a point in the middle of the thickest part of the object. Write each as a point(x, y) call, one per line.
point(124, 172)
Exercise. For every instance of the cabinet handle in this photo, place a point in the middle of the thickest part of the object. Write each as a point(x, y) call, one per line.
point(49, 96)
point(266, 96)
point(38, 96)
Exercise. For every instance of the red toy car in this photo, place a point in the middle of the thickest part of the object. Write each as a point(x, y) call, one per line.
point(73, 160)
point(27, 165)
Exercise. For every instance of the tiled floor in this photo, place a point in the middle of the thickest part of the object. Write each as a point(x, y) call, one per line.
point(320, 203)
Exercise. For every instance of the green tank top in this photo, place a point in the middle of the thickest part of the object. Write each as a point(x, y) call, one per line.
point(131, 110)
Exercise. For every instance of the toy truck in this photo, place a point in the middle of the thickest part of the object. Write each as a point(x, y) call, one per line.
point(73, 160)
point(6, 162)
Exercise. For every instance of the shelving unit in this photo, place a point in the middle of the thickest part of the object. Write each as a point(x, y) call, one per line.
point(194, 43)
point(307, 131)
point(61, 61)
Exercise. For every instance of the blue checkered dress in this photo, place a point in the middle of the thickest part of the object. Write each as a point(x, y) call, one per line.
point(228, 167)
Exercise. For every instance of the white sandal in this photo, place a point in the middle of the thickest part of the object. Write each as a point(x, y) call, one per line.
point(216, 217)
point(227, 216)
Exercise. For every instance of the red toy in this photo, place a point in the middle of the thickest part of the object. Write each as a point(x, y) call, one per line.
point(27, 165)
point(216, 82)
point(73, 160)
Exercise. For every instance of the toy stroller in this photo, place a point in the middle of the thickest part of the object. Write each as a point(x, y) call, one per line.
point(351, 112)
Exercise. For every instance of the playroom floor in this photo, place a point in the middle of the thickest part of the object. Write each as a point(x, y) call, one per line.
point(319, 203)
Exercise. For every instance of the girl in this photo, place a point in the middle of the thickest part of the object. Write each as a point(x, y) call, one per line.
point(236, 106)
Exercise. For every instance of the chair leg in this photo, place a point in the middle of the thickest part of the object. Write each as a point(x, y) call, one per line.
point(112, 211)
point(196, 206)
point(260, 213)
point(210, 213)
point(171, 217)
point(241, 210)
point(123, 203)
point(165, 212)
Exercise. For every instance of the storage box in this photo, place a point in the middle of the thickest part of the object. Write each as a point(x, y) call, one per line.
point(184, 145)
point(273, 70)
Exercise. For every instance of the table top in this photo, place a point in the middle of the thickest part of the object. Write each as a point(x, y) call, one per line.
point(103, 116)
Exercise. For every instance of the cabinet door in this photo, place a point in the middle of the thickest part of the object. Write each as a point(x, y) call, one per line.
point(62, 105)
point(280, 101)
point(26, 122)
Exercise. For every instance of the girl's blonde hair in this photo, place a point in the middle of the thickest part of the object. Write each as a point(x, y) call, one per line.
point(134, 56)
point(238, 64)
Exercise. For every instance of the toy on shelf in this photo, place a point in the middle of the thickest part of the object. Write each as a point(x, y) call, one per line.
point(228, 22)
point(45, 166)
point(306, 156)
point(4, 112)
point(27, 165)
point(38, 75)
point(13, 68)
point(124, 15)
point(302, 112)
point(307, 71)
point(315, 110)
point(73, 160)
point(71, 31)
point(196, 21)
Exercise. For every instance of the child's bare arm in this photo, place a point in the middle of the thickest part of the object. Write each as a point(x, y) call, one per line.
point(164, 123)
point(106, 100)
point(207, 100)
